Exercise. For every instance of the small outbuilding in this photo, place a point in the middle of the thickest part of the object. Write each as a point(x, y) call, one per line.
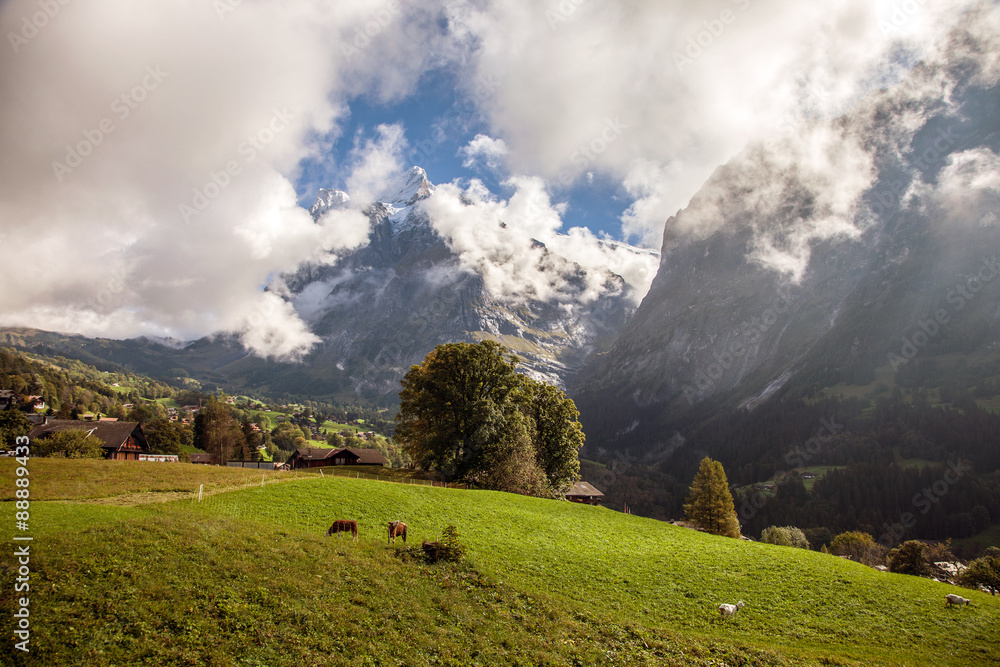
point(585, 492)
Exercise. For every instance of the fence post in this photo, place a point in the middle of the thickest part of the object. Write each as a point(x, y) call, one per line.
point(262, 481)
point(201, 487)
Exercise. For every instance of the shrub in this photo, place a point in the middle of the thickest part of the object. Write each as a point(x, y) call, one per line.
point(858, 546)
point(70, 444)
point(909, 558)
point(786, 536)
point(447, 549)
point(983, 572)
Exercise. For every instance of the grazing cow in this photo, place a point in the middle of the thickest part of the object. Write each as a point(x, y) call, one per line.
point(343, 526)
point(396, 529)
point(951, 599)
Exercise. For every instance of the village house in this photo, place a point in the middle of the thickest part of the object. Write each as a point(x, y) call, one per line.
point(584, 492)
point(321, 457)
point(121, 441)
point(202, 459)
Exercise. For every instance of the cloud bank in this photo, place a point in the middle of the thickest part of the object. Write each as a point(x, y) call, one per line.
point(150, 149)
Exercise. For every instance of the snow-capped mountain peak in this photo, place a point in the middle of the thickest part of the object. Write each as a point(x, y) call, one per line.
point(407, 189)
point(328, 200)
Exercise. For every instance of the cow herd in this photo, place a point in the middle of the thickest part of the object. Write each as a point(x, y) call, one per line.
point(396, 529)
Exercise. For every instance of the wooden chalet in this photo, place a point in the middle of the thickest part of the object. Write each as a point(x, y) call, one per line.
point(584, 492)
point(202, 458)
point(122, 441)
point(320, 458)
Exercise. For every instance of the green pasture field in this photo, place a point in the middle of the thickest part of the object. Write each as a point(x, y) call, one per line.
point(247, 577)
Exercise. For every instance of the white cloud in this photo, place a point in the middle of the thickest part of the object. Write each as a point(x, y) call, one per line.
point(519, 249)
point(483, 149)
point(178, 136)
point(690, 83)
point(376, 162)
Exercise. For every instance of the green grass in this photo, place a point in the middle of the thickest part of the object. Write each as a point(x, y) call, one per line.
point(92, 479)
point(246, 578)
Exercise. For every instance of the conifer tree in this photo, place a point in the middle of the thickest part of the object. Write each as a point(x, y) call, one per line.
point(710, 504)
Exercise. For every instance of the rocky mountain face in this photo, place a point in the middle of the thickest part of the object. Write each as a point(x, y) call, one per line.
point(381, 308)
point(855, 253)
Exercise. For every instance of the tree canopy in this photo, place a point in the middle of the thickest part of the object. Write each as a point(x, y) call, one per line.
point(217, 432)
point(466, 413)
point(70, 444)
point(13, 424)
point(710, 504)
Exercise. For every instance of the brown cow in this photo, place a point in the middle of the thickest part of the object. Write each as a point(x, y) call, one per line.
point(342, 526)
point(396, 529)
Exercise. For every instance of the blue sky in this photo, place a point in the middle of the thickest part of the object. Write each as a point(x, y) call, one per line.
point(438, 122)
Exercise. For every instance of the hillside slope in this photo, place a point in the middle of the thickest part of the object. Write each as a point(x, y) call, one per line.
point(246, 577)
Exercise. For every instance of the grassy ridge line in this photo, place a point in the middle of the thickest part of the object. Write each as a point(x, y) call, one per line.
point(656, 574)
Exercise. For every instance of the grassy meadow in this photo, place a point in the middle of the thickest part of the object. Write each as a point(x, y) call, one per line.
point(247, 577)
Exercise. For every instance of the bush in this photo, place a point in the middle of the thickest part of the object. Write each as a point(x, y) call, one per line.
point(448, 549)
point(858, 546)
point(909, 558)
point(983, 572)
point(70, 444)
point(787, 536)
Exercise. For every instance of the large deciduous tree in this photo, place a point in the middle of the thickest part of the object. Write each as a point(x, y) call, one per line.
point(216, 431)
point(466, 413)
point(710, 504)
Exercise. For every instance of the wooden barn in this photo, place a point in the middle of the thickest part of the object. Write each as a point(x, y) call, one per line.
point(122, 441)
point(320, 458)
point(584, 492)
